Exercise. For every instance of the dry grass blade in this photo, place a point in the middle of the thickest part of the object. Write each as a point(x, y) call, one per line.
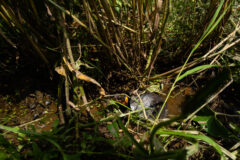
point(118, 36)
point(231, 35)
point(12, 17)
point(7, 39)
point(35, 11)
point(79, 22)
point(92, 24)
point(159, 41)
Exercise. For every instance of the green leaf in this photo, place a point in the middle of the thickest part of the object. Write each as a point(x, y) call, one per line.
point(157, 145)
point(180, 154)
point(197, 136)
point(113, 128)
point(216, 129)
point(139, 147)
point(154, 88)
point(234, 127)
point(8, 148)
point(212, 86)
point(3, 155)
point(195, 70)
point(213, 20)
point(207, 119)
point(10, 129)
point(37, 152)
point(35, 134)
point(55, 124)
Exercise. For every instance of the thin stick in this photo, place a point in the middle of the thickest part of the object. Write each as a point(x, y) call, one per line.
point(73, 106)
point(209, 100)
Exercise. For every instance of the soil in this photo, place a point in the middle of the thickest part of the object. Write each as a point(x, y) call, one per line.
point(37, 109)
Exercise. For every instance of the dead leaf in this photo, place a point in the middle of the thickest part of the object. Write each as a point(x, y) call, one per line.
point(83, 77)
point(60, 70)
point(102, 92)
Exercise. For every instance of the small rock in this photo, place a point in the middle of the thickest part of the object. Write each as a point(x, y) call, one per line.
point(35, 116)
point(47, 102)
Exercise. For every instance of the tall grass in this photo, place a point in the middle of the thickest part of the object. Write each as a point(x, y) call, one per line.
point(79, 40)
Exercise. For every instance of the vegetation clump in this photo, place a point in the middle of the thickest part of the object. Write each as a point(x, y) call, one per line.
point(69, 69)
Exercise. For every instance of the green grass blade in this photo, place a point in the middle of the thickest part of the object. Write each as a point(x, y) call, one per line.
point(195, 70)
point(198, 136)
point(138, 146)
point(31, 133)
point(214, 17)
point(188, 58)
